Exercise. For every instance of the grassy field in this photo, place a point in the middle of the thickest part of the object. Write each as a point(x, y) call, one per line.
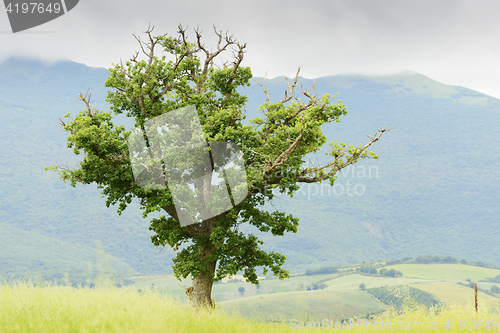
point(313, 304)
point(352, 281)
point(340, 297)
point(452, 272)
point(24, 308)
point(453, 294)
point(226, 291)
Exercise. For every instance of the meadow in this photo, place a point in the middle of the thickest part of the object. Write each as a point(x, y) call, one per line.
point(28, 308)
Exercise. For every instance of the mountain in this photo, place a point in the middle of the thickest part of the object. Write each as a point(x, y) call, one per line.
point(40, 207)
point(433, 190)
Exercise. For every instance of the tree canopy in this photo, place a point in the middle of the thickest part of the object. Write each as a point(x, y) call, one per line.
point(174, 72)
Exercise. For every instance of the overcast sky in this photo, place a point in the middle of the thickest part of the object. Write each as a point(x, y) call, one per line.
point(452, 41)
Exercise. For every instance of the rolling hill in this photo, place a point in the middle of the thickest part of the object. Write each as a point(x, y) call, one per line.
point(339, 295)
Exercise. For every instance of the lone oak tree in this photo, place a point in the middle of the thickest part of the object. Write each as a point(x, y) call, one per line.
point(273, 148)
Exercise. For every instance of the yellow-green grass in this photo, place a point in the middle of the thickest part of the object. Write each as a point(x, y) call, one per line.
point(458, 319)
point(166, 283)
point(163, 281)
point(305, 304)
point(454, 272)
point(454, 294)
point(24, 308)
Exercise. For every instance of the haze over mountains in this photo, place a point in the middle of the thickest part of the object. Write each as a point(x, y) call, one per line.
point(434, 189)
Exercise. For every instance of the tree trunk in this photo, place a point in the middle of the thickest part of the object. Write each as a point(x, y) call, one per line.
point(200, 294)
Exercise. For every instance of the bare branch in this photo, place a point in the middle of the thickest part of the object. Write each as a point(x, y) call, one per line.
point(141, 44)
point(290, 88)
point(229, 40)
point(266, 91)
point(134, 57)
point(239, 56)
point(86, 99)
point(200, 45)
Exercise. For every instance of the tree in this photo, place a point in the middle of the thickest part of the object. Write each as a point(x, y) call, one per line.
point(241, 290)
point(362, 286)
point(273, 149)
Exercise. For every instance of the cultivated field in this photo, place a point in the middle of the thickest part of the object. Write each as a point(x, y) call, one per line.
point(340, 295)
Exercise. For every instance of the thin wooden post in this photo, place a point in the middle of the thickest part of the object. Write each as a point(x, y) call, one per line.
point(475, 295)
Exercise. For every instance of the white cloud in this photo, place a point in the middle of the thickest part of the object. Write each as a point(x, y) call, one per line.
point(448, 40)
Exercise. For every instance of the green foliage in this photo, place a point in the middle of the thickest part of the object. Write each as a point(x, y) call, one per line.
point(317, 286)
point(322, 270)
point(479, 264)
point(274, 150)
point(496, 279)
point(367, 270)
point(400, 297)
point(390, 272)
point(435, 259)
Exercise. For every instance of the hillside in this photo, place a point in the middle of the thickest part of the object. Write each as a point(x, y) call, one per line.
point(434, 188)
point(339, 295)
point(39, 255)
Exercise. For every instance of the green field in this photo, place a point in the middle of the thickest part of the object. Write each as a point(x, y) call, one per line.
point(313, 305)
point(352, 281)
point(452, 272)
point(226, 291)
point(340, 296)
point(453, 293)
point(25, 308)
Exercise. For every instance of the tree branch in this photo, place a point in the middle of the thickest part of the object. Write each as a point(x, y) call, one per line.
point(266, 91)
point(302, 177)
point(86, 99)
